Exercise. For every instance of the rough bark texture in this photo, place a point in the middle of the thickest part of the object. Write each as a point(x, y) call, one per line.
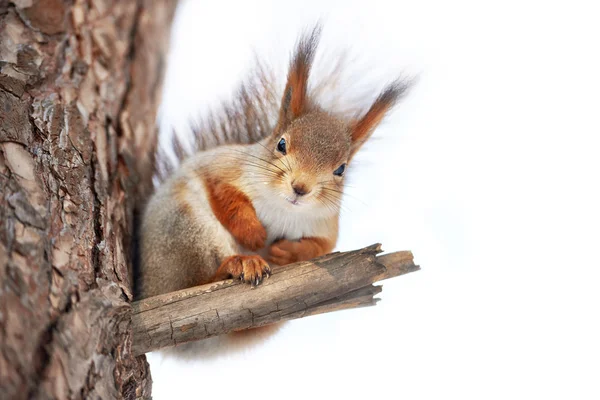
point(79, 88)
point(334, 282)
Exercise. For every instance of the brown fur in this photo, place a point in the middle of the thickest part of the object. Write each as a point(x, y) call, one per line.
point(365, 126)
point(173, 255)
point(295, 100)
point(319, 141)
point(180, 191)
point(235, 211)
point(285, 251)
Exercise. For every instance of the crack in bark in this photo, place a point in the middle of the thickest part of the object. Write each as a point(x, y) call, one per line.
point(131, 51)
point(171, 325)
point(97, 225)
point(217, 286)
point(43, 352)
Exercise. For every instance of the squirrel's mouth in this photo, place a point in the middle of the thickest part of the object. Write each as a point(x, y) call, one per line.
point(293, 201)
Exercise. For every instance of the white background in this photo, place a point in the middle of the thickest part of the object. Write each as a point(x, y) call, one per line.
point(488, 172)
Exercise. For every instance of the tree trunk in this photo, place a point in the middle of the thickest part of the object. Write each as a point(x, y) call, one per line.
point(79, 88)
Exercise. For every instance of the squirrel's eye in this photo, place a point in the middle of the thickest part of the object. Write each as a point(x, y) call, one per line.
point(281, 146)
point(340, 170)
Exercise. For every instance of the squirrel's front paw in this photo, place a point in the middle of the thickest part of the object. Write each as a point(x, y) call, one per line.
point(249, 269)
point(284, 252)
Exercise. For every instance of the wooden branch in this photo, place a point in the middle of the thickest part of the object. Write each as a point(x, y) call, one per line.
point(334, 282)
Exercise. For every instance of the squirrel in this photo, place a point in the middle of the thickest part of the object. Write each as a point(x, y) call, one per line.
point(239, 210)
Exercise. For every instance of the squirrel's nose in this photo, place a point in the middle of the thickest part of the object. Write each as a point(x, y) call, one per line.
point(300, 189)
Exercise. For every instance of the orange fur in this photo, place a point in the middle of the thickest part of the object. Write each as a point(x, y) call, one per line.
point(285, 251)
point(364, 127)
point(372, 118)
point(180, 191)
point(297, 83)
point(236, 213)
point(250, 269)
point(295, 100)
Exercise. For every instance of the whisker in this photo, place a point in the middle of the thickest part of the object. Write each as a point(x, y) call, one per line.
point(256, 165)
point(328, 203)
point(261, 159)
point(344, 194)
point(332, 190)
point(246, 161)
point(286, 165)
point(335, 203)
point(331, 183)
point(339, 205)
point(334, 199)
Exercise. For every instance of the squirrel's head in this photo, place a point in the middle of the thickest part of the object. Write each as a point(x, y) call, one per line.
point(311, 149)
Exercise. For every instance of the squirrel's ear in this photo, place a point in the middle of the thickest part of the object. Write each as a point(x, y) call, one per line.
point(295, 100)
point(363, 128)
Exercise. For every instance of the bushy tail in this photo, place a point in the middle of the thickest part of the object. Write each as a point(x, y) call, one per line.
point(248, 117)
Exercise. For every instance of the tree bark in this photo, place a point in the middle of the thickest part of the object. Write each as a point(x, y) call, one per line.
point(334, 282)
point(79, 88)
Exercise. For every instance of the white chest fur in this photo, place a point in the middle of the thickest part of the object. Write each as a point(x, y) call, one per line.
point(283, 221)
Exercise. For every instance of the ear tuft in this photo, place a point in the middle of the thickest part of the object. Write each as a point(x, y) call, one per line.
point(295, 100)
point(387, 99)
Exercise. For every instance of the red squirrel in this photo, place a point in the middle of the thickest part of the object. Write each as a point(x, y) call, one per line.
point(241, 210)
